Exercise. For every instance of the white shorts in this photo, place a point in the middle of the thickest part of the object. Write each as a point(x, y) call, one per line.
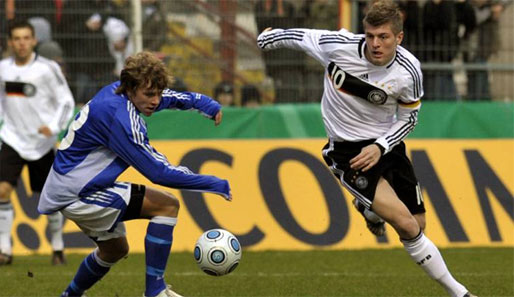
point(98, 215)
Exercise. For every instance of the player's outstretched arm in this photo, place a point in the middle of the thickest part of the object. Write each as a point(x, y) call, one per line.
point(306, 40)
point(129, 140)
point(204, 104)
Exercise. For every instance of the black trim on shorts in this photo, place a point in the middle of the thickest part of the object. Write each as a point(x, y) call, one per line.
point(395, 167)
point(133, 210)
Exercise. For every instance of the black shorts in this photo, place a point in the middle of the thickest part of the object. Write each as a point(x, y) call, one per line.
point(11, 164)
point(133, 210)
point(395, 167)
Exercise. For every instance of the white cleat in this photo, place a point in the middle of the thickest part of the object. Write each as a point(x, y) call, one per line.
point(167, 292)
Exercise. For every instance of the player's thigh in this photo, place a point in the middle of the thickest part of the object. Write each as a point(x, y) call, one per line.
point(39, 169)
point(388, 206)
point(11, 165)
point(362, 185)
point(159, 203)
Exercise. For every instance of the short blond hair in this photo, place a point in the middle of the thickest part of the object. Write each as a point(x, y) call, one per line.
point(144, 69)
point(382, 12)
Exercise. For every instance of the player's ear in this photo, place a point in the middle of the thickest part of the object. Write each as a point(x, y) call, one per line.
point(399, 38)
point(130, 93)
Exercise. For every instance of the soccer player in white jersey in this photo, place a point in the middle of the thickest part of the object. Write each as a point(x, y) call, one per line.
point(37, 105)
point(371, 99)
point(107, 136)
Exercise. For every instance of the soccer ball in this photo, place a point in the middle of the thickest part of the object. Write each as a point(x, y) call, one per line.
point(217, 252)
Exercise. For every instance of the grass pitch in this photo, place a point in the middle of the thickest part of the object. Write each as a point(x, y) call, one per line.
point(485, 271)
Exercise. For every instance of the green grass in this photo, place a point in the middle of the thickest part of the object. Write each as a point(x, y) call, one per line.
point(485, 271)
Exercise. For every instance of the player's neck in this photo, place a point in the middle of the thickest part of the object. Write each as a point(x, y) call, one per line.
point(22, 61)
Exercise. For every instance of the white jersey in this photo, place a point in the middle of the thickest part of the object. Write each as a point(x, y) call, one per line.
point(36, 94)
point(360, 100)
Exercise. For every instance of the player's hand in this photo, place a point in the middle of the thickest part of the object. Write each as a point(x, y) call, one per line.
point(367, 158)
point(229, 198)
point(45, 131)
point(218, 117)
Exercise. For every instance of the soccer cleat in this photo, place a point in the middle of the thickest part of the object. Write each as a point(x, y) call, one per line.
point(58, 258)
point(5, 259)
point(374, 223)
point(167, 292)
point(468, 294)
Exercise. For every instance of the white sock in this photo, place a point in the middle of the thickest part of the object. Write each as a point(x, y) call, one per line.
point(6, 219)
point(426, 254)
point(55, 225)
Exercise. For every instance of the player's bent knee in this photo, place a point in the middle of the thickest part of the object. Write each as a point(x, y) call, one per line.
point(172, 206)
point(5, 191)
point(420, 218)
point(124, 251)
point(113, 250)
point(114, 255)
point(406, 226)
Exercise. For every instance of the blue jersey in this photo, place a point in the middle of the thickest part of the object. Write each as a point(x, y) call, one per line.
point(107, 136)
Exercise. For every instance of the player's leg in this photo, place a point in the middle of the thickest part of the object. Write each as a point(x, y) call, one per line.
point(10, 170)
point(100, 219)
point(6, 221)
point(38, 171)
point(388, 206)
point(337, 156)
point(420, 218)
point(96, 265)
point(162, 210)
point(55, 223)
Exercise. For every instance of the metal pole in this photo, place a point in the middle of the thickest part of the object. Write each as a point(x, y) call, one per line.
point(137, 25)
point(228, 9)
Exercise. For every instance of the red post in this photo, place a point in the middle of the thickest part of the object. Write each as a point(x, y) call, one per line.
point(228, 9)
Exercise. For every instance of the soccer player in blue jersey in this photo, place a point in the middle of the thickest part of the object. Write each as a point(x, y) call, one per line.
point(107, 136)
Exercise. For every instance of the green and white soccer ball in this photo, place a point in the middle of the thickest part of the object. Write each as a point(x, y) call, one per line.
point(217, 252)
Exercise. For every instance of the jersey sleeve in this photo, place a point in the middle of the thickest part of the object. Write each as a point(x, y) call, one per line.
point(406, 120)
point(412, 80)
point(409, 103)
point(129, 140)
point(65, 103)
point(189, 100)
point(306, 40)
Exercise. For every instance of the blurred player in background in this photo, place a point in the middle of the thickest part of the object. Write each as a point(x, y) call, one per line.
point(107, 136)
point(370, 104)
point(36, 107)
